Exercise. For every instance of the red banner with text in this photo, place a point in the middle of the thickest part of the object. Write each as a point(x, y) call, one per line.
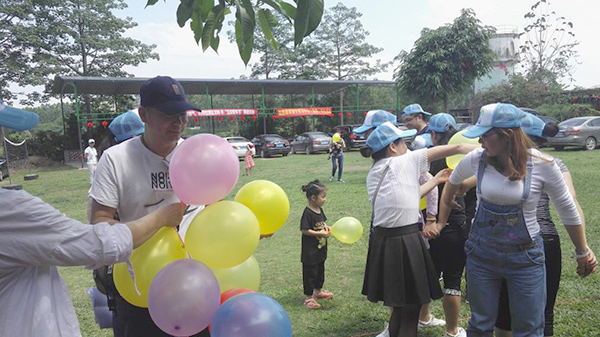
point(290, 112)
point(222, 112)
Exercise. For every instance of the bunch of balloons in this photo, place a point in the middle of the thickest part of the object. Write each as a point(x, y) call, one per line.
point(459, 138)
point(182, 284)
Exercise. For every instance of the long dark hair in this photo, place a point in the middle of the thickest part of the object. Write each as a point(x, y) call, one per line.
point(442, 138)
point(315, 188)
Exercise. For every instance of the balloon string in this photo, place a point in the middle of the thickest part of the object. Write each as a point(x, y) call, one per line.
point(182, 243)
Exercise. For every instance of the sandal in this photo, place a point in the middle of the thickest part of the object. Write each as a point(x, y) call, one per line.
point(326, 295)
point(311, 303)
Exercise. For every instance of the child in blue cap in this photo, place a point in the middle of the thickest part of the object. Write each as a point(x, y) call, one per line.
point(399, 270)
point(505, 242)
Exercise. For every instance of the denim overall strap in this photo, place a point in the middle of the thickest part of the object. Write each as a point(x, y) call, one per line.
point(480, 170)
point(527, 182)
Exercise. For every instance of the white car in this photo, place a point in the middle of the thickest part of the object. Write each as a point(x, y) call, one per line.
point(240, 144)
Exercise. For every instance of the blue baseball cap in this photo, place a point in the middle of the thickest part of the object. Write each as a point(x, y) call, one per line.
point(413, 109)
point(441, 122)
point(497, 115)
point(533, 125)
point(127, 125)
point(165, 94)
point(17, 119)
point(385, 134)
point(374, 118)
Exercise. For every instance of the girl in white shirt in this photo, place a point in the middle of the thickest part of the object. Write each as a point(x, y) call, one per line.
point(505, 241)
point(399, 270)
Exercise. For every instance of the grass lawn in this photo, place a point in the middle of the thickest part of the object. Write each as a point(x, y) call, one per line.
point(349, 313)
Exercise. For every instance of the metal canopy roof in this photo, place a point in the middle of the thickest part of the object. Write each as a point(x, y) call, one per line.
point(131, 85)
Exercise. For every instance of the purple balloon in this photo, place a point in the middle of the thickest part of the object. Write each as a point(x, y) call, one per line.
point(204, 169)
point(251, 315)
point(184, 297)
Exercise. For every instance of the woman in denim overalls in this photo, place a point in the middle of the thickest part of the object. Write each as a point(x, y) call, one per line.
point(505, 242)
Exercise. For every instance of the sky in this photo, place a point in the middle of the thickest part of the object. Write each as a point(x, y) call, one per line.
point(393, 25)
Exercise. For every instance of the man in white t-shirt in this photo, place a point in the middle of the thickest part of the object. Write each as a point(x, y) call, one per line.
point(91, 158)
point(132, 180)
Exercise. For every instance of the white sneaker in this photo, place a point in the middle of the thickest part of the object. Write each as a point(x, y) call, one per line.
point(432, 322)
point(331, 179)
point(460, 332)
point(386, 330)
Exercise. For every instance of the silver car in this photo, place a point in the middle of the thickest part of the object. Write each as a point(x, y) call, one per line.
point(581, 132)
point(311, 142)
point(240, 145)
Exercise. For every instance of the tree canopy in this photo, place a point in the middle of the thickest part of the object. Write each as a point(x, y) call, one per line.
point(69, 37)
point(549, 48)
point(206, 20)
point(446, 60)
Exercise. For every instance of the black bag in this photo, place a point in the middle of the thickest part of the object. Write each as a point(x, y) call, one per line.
point(104, 282)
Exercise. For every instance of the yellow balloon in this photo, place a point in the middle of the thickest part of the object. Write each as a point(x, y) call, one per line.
point(147, 260)
point(458, 138)
point(223, 235)
point(268, 202)
point(336, 137)
point(347, 230)
point(245, 275)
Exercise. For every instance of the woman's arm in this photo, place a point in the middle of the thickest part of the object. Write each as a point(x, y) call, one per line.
point(440, 178)
point(443, 151)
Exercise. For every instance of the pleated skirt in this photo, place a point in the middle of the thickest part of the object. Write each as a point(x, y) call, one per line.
point(399, 269)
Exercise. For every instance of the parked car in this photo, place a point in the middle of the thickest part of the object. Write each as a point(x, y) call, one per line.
point(311, 142)
point(3, 169)
point(352, 140)
point(240, 145)
point(581, 132)
point(269, 144)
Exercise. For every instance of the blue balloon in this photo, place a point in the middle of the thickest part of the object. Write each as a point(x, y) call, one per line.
point(251, 315)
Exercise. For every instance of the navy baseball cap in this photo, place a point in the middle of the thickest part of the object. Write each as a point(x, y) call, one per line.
point(165, 94)
point(385, 134)
point(127, 125)
point(17, 119)
point(414, 109)
point(374, 118)
point(442, 122)
point(497, 115)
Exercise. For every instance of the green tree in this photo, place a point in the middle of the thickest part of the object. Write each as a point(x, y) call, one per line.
point(206, 20)
point(72, 38)
point(344, 52)
point(549, 48)
point(446, 60)
point(343, 47)
point(522, 91)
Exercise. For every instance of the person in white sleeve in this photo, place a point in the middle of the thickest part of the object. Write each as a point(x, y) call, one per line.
point(36, 238)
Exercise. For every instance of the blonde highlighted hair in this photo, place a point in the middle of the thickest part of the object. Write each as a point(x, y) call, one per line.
point(518, 145)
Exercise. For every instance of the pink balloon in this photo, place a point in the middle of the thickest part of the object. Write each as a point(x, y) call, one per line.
point(184, 297)
point(204, 169)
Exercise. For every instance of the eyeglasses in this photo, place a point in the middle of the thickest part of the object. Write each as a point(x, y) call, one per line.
point(488, 134)
point(180, 117)
point(407, 119)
